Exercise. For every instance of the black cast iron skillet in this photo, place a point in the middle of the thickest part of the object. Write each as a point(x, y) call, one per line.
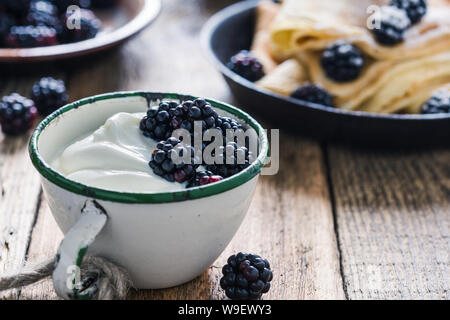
point(231, 30)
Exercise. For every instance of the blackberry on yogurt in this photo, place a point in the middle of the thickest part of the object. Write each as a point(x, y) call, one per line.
point(159, 121)
point(164, 165)
point(17, 114)
point(246, 277)
point(203, 178)
point(234, 159)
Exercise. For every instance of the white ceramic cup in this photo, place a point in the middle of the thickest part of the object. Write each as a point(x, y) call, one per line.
point(161, 239)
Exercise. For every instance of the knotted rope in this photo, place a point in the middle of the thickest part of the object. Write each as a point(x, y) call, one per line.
point(102, 278)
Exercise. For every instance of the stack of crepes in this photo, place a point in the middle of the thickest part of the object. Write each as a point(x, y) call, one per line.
point(291, 37)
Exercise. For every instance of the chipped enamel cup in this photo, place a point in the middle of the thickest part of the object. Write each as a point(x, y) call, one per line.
point(162, 239)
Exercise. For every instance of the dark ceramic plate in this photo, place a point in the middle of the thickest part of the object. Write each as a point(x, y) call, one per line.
point(119, 24)
point(231, 30)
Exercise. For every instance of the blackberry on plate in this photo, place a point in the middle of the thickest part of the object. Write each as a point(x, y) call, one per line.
point(157, 124)
point(313, 93)
point(239, 159)
point(203, 178)
point(393, 23)
point(31, 36)
point(44, 13)
point(17, 114)
point(49, 94)
point(246, 277)
point(415, 9)
point(246, 65)
point(342, 62)
point(438, 103)
point(163, 163)
point(88, 28)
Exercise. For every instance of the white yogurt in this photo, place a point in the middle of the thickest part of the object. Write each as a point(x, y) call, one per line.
point(114, 157)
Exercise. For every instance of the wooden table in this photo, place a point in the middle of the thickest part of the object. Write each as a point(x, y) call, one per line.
point(336, 222)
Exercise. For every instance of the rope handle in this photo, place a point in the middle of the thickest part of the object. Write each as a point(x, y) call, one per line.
point(75, 275)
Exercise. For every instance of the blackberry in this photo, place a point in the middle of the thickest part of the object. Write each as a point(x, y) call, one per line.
point(163, 163)
point(203, 178)
point(44, 13)
point(415, 9)
point(17, 114)
point(246, 65)
point(342, 62)
point(313, 93)
point(6, 22)
point(246, 277)
point(157, 124)
point(161, 121)
point(438, 103)
point(89, 26)
point(239, 159)
point(49, 94)
point(31, 36)
point(393, 23)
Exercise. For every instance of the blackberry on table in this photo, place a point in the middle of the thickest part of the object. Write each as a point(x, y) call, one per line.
point(49, 94)
point(246, 65)
point(89, 26)
point(17, 114)
point(415, 9)
point(163, 163)
point(203, 178)
point(44, 13)
point(393, 23)
point(246, 277)
point(342, 62)
point(313, 93)
point(31, 36)
point(438, 103)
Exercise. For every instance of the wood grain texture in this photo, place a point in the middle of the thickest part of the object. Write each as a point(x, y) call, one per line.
point(390, 209)
point(393, 218)
point(19, 194)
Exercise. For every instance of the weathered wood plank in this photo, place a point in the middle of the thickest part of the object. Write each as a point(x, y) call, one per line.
point(19, 194)
point(393, 219)
point(46, 237)
point(290, 220)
